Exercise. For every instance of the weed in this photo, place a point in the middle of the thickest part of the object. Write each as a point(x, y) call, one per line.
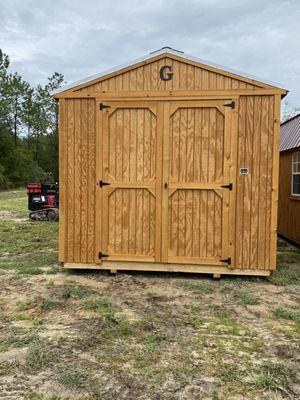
point(79, 377)
point(50, 282)
point(24, 304)
point(285, 275)
point(77, 292)
point(6, 367)
point(39, 355)
point(246, 298)
point(287, 314)
point(272, 376)
point(202, 288)
point(49, 304)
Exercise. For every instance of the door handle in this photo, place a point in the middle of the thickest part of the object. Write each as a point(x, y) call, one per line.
point(166, 185)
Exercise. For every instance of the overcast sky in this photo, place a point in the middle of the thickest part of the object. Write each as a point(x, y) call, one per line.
point(82, 37)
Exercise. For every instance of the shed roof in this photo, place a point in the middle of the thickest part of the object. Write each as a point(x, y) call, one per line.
point(290, 133)
point(166, 51)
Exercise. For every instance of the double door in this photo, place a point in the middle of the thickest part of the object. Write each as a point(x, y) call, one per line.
point(166, 181)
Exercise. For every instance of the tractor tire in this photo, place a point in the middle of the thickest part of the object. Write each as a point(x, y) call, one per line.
point(52, 214)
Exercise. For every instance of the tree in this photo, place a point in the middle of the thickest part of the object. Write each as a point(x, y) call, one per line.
point(28, 127)
point(289, 111)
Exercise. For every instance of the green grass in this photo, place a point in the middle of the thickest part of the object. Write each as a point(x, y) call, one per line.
point(77, 292)
point(24, 304)
point(202, 288)
point(271, 376)
point(40, 354)
point(51, 303)
point(285, 275)
point(80, 376)
point(287, 314)
point(246, 298)
point(6, 367)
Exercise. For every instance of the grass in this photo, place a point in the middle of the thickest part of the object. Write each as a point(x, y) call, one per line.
point(50, 303)
point(246, 298)
point(130, 336)
point(24, 304)
point(80, 376)
point(40, 354)
point(202, 288)
point(287, 314)
point(77, 292)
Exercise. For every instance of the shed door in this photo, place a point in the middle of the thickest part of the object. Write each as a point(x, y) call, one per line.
point(132, 148)
point(195, 206)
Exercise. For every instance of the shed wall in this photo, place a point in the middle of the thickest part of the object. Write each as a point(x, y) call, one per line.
point(289, 206)
point(255, 226)
point(254, 191)
point(77, 180)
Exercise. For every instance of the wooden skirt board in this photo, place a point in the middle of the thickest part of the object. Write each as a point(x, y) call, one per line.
point(165, 184)
point(167, 267)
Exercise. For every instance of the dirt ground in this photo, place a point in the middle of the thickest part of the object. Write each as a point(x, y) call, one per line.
point(92, 335)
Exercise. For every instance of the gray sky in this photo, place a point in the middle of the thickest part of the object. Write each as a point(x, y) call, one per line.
point(82, 37)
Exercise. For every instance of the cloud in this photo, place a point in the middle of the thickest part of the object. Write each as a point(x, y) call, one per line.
point(80, 38)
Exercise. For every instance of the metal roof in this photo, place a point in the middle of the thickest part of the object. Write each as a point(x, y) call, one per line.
point(165, 50)
point(290, 133)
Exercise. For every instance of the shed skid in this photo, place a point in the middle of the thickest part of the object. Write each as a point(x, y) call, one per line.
point(176, 174)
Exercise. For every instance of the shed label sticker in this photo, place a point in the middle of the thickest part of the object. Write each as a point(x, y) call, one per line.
point(244, 171)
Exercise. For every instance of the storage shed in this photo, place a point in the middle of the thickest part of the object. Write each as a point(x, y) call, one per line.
point(169, 163)
point(289, 181)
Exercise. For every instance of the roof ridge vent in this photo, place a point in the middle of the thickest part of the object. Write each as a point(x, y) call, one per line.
point(166, 48)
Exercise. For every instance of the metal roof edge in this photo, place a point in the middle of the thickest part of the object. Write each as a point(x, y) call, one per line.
point(165, 50)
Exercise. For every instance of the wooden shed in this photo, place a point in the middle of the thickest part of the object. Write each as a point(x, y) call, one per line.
point(289, 181)
point(169, 163)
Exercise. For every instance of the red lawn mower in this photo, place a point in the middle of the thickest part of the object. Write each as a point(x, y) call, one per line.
point(43, 201)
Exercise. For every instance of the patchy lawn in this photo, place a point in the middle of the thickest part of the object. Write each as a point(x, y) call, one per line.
point(90, 335)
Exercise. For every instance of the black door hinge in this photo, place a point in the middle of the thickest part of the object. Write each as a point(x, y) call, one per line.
point(101, 255)
point(102, 106)
point(231, 105)
point(101, 183)
point(229, 186)
point(227, 260)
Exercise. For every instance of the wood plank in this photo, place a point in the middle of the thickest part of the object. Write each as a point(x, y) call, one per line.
point(263, 183)
point(247, 186)
point(165, 180)
point(94, 164)
point(62, 113)
point(254, 205)
point(158, 174)
point(84, 181)
point(275, 178)
point(70, 178)
point(143, 266)
point(175, 94)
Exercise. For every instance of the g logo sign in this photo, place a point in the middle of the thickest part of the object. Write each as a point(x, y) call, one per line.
point(166, 73)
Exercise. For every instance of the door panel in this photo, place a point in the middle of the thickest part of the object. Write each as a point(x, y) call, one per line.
point(130, 201)
point(198, 143)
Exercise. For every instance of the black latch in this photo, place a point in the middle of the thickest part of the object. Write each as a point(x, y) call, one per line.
point(229, 186)
point(101, 183)
point(102, 106)
point(231, 105)
point(227, 260)
point(101, 255)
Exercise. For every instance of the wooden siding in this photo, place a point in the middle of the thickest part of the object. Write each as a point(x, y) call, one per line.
point(255, 200)
point(77, 180)
point(186, 77)
point(254, 191)
point(289, 206)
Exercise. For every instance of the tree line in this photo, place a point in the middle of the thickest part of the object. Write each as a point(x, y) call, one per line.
point(28, 128)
